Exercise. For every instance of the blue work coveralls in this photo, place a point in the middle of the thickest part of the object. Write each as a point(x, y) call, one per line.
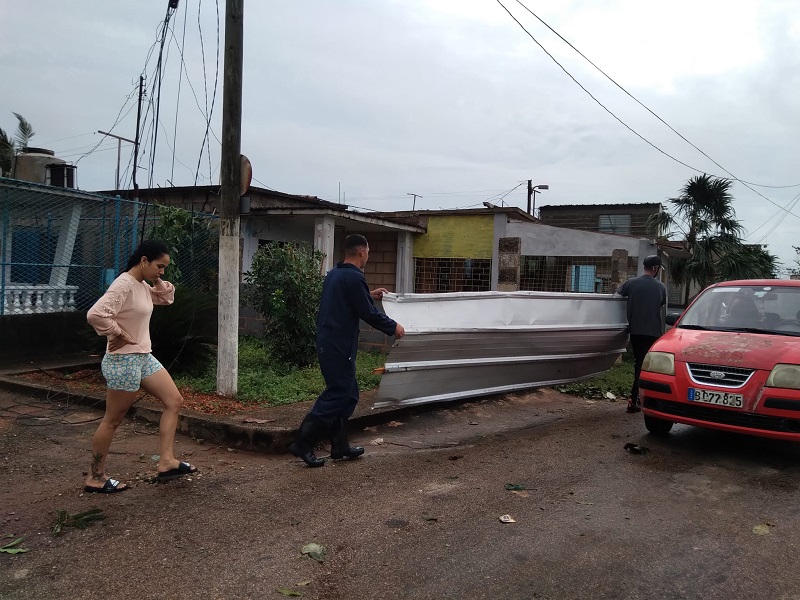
point(345, 300)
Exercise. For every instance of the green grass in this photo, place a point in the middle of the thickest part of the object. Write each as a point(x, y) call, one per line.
point(265, 381)
point(618, 381)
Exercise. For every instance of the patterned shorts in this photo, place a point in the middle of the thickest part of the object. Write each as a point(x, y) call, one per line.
point(125, 372)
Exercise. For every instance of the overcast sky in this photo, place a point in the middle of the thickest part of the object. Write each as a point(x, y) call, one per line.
point(367, 101)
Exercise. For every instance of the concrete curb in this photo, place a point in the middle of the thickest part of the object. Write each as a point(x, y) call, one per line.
point(253, 437)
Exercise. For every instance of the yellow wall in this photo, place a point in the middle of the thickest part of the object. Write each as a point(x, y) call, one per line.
point(456, 237)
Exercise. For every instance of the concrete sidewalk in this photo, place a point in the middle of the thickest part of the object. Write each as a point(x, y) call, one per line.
point(262, 429)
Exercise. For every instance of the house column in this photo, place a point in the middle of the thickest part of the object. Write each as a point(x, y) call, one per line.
point(66, 243)
point(324, 228)
point(500, 222)
point(405, 263)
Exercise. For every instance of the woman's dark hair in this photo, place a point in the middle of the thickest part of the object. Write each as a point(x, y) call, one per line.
point(150, 249)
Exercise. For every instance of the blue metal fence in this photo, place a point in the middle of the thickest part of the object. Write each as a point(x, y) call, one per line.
point(60, 248)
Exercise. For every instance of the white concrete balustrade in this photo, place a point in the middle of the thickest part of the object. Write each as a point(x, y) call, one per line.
point(31, 299)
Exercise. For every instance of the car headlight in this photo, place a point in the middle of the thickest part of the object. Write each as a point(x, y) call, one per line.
point(659, 362)
point(785, 376)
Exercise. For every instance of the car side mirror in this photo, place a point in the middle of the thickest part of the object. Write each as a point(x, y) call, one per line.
point(672, 318)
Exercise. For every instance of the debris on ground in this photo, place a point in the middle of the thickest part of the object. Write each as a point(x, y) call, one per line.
point(258, 421)
point(13, 547)
point(762, 528)
point(520, 493)
point(316, 551)
point(512, 487)
point(610, 396)
point(429, 518)
point(79, 520)
point(288, 592)
point(636, 448)
point(377, 441)
point(507, 519)
point(394, 424)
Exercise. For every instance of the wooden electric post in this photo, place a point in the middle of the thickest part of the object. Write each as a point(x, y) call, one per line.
point(230, 181)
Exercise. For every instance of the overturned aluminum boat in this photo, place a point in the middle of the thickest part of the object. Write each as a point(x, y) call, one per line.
point(461, 345)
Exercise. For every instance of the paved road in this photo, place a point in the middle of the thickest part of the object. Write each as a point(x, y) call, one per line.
point(417, 517)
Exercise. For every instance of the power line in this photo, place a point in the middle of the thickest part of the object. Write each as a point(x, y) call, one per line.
point(628, 127)
point(635, 99)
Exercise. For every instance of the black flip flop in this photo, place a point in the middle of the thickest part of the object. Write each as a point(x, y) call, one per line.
point(111, 486)
point(179, 471)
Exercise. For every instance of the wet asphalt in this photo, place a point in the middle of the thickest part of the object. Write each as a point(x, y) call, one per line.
point(699, 514)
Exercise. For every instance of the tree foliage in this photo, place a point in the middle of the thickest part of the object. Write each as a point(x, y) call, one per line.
point(703, 218)
point(284, 285)
point(193, 243)
point(10, 147)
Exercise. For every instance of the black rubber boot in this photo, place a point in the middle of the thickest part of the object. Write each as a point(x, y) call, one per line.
point(340, 445)
point(307, 435)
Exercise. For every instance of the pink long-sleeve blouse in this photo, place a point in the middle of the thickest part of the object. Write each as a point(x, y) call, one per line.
point(127, 306)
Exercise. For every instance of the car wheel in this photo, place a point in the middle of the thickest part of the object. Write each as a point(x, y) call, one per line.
point(657, 426)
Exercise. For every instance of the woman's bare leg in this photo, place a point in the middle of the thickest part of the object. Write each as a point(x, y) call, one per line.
point(160, 385)
point(117, 404)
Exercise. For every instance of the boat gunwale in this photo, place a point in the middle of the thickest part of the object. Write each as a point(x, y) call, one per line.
point(425, 365)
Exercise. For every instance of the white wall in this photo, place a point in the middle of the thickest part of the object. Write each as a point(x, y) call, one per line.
point(544, 240)
point(254, 229)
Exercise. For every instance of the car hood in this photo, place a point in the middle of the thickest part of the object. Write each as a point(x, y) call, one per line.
point(749, 350)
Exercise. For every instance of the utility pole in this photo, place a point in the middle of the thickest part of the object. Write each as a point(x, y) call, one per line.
point(414, 205)
point(230, 181)
point(119, 139)
point(530, 194)
point(136, 143)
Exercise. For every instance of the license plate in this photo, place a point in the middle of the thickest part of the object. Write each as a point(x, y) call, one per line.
point(718, 398)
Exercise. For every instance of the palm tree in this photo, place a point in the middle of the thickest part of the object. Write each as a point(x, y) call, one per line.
point(704, 218)
point(10, 147)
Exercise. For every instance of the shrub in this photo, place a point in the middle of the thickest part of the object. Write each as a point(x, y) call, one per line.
point(183, 334)
point(284, 285)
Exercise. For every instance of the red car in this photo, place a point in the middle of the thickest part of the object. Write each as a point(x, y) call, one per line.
point(731, 362)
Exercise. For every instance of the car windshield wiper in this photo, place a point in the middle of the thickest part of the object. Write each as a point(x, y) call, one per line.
point(745, 330)
point(701, 327)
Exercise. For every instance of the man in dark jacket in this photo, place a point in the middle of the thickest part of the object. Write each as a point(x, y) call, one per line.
point(646, 295)
point(345, 300)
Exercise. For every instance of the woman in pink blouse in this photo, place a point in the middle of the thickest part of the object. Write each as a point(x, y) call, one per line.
point(123, 316)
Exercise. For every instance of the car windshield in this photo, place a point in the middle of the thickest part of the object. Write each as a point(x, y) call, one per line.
point(755, 309)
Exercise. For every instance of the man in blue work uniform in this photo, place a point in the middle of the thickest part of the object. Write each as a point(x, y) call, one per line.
point(345, 299)
point(646, 295)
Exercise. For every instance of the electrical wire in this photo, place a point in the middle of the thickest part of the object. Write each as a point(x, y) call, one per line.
point(635, 99)
point(178, 100)
point(623, 123)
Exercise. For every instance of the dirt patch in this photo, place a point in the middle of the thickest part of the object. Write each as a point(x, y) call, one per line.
point(92, 381)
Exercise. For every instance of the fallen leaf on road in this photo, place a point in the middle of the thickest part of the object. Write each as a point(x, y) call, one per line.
point(377, 441)
point(516, 486)
point(11, 547)
point(259, 421)
point(304, 583)
point(371, 429)
point(762, 528)
point(288, 592)
point(429, 518)
point(316, 551)
point(590, 402)
point(394, 424)
point(585, 503)
point(507, 519)
point(473, 422)
point(520, 493)
point(635, 448)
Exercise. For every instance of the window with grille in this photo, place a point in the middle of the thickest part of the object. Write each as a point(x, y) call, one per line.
point(614, 224)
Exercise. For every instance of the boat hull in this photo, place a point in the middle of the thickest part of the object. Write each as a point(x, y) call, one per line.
point(467, 345)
